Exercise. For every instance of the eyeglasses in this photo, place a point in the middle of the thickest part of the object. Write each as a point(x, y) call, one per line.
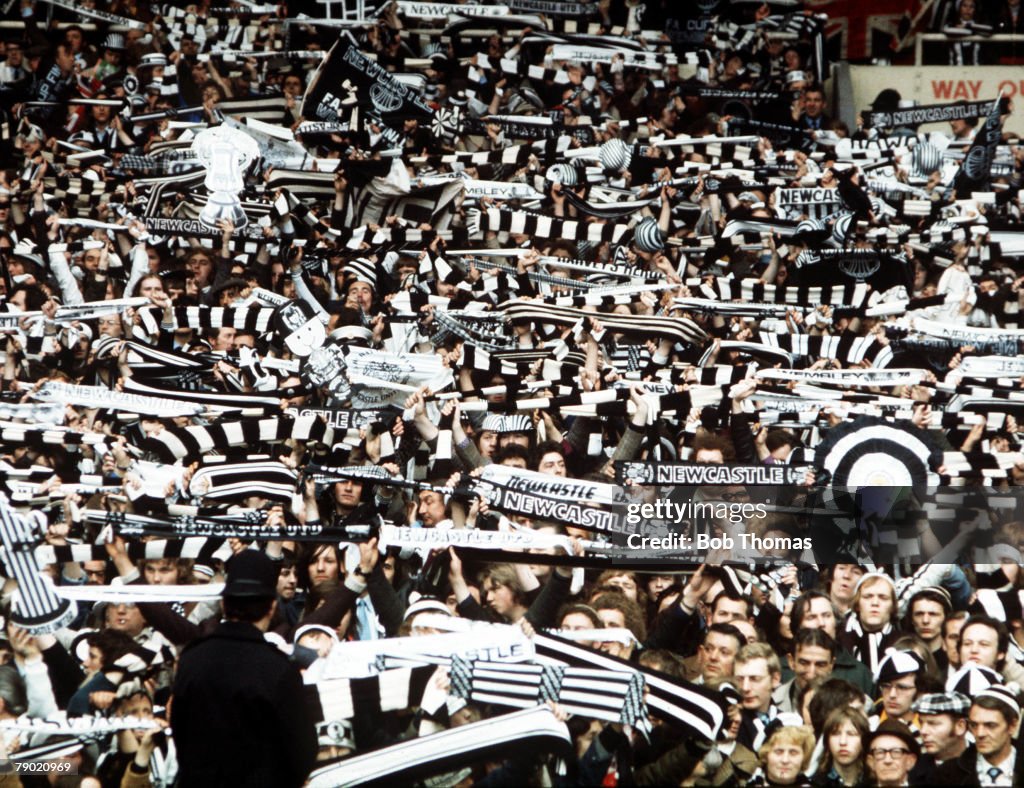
point(892, 752)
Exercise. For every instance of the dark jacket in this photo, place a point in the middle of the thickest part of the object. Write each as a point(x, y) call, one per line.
point(238, 713)
point(963, 770)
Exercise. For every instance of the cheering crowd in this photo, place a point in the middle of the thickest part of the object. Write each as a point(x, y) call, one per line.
point(325, 342)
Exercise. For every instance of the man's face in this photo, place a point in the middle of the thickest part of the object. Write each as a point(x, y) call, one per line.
point(710, 456)
point(101, 113)
point(612, 618)
point(347, 494)
point(95, 572)
point(287, 582)
point(814, 103)
point(323, 566)
point(225, 339)
point(898, 695)
point(941, 734)
point(810, 662)
point(890, 759)
point(820, 615)
point(488, 443)
point(15, 56)
point(844, 580)
point(728, 610)
point(162, 572)
point(125, 617)
point(717, 655)
point(499, 598)
point(200, 267)
point(784, 762)
point(979, 643)
point(431, 508)
point(151, 287)
point(513, 439)
point(992, 733)
point(553, 463)
point(625, 583)
point(91, 260)
point(65, 59)
point(951, 640)
point(927, 616)
point(875, 609)
point(755, 684)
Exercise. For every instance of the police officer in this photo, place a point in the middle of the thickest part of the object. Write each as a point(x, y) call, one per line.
point(237, 712)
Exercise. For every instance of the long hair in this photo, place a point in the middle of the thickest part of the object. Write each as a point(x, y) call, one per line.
point(858, 719)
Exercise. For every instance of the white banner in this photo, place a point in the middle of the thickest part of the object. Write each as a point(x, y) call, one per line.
point(443, 10)
point(847, 377)
point(795, 201)
point(501, 190)
point(433, 538)
point(992, 366)
point(965, 334)
point(630, 57)
point(99, 397)
point(356, 658)
point(548, 486)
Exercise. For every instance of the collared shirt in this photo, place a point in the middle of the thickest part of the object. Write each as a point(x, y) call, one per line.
point(1005, 776)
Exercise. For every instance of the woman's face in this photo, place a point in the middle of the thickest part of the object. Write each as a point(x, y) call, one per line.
point(844, 744)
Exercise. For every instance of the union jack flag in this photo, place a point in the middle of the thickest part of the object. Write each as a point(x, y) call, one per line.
point(865, 28)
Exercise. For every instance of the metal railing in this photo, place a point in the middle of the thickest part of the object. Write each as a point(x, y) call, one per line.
point(995, 38)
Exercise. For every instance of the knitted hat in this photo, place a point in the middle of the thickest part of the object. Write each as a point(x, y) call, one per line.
point(565, 174)
point(647, 236)
point(971, 679)
point(927, 158)
point(615, 155)
point(898, 663)
point(1004, 694)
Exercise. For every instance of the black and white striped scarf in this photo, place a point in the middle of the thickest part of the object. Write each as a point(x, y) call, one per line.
point(191, 443)
point(595, 693)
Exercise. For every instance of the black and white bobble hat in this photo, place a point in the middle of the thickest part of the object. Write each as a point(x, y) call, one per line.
point(562, 173)
point(647, 236)
point(615, 155)
point(972, 679)
point(898, 663)
point(1004, 694)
